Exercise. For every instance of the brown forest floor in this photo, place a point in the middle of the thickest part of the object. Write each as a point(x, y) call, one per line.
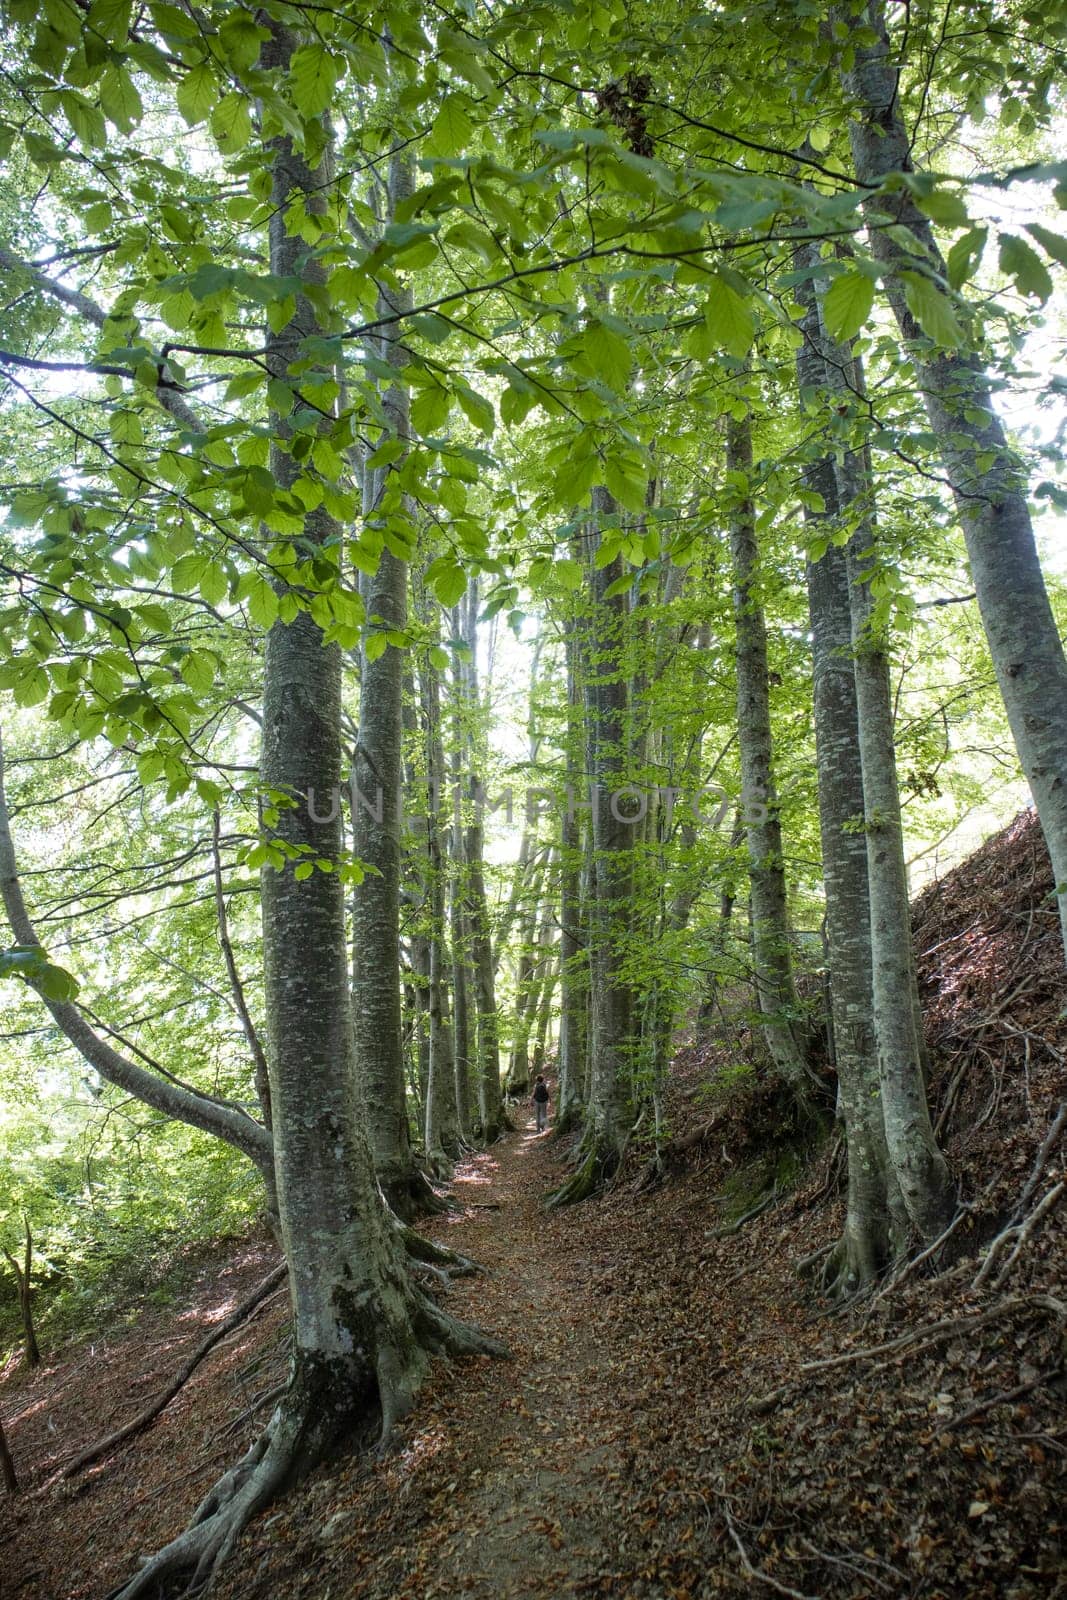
point(619, 1453)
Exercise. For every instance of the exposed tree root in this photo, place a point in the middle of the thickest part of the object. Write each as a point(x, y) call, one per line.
point(595, 1170)
point(410, 1194)
point(764, 1203)
point(320, 1410)
point(449, 1263)
point(149, 1412)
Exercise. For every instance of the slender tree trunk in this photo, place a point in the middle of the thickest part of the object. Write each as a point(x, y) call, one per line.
point(490, 1098)
point(166, 1094)
point(7, 1465)
point(573, 961)
point(772, 965)
point(875, 1227)
point(919, 1169)
point(377, 814)
point(986, 476)
point(612, 1042)
point(441, 1126)
point(24, 1285)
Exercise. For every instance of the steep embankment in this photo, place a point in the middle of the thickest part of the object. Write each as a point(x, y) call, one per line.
point(683, 1417)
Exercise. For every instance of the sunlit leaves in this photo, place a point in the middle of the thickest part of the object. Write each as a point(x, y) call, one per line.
point(848, 304)
point(452, 127)
point(607, 355)
point(1021, 261)
point(932, 310)
point(313, 77)
point(729, 322)
point(197, 93)
point(231, 122)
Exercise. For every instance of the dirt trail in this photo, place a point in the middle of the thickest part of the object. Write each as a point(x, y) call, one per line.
point(511, 1478)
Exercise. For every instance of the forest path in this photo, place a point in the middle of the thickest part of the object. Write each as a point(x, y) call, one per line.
point(524, 1513)
point(516, 1478)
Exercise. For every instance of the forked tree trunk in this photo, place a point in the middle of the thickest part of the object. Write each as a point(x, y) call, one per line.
point(875, 1227)
point(771, 960)
point(986, 477)
point(918, 1167)
point(361, 1333)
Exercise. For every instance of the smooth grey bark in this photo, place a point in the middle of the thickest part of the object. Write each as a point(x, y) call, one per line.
point(771, 961)
point(612, 1041)
point(462, 1051)
point(573, 958)
point(918, 1167)
point(441, 1130)
point(362, 1334)
point(260, 1068)
point(874, 1229)
point(173, 1098)
point(479, 929)
point(986, 477)
point(376, 823)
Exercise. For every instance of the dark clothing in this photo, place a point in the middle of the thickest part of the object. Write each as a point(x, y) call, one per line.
point(541, 1093)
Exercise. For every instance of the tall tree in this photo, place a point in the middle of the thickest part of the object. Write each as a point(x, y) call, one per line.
point(987, 479)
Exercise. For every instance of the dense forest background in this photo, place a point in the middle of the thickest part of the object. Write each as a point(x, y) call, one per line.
point(533, 544)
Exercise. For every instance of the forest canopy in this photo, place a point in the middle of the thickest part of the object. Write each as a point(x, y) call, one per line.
point(526, 528)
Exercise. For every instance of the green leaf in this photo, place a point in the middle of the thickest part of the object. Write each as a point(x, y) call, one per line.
point(568, 573)
point(231, 123)
point(452, 129)
point(197, 93)
point(430, 408)
point(1053, 243)
point(110, 19)
point(198, 670)
point(848, 304)
point(1021, 261)
point(476, 408)
point(374, 646)
point(313, 75)
point(120, 100)
point(448, 581)
point(729, 320)
point(262, 602)
point(438, 658)
point(965, 255)
point(609, 355)
point(932, 310)
point(945, 207)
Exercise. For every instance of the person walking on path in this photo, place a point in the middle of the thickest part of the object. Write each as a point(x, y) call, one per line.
point(540, 1100)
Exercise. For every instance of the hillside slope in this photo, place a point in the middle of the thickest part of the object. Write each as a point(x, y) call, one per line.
point(683, 1416)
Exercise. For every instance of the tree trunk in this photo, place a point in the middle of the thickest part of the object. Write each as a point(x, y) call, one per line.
point(24, 1286)
point(986, 477)
point(166, 1094)
point(874, 1226)
point(490, 1100)
point(919, 1169)
point(361, 1333)
point(377, 810)
point(7, 1465)
point(772, 965)
point(441, 1125)
point(612, 1041)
